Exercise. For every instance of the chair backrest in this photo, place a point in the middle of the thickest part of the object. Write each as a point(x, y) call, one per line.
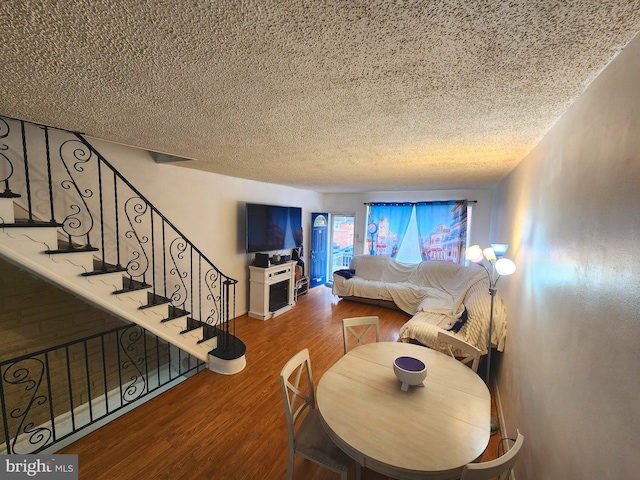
point(500, 467)
point(470, 352)
point(350, 329)
point(298, 391)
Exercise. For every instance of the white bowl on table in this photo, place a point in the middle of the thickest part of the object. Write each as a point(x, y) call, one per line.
point(410, 371)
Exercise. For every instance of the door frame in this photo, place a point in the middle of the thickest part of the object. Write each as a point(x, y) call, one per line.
point(330, 263)
point(318, 257)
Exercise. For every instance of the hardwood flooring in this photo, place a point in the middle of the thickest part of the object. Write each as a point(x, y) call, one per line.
point(214, 426)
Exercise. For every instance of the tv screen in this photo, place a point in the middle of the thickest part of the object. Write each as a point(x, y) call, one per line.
point(272, 227)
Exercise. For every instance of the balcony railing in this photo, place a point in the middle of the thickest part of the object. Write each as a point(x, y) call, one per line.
point(341, 259)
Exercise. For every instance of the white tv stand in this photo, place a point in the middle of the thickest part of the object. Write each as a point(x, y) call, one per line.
point(260, 281)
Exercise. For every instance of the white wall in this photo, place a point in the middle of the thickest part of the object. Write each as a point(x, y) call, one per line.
point(354, 203)
point(569, 377)
point(206, 207)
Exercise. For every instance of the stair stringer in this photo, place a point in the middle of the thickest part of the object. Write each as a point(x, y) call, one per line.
point(25, 246)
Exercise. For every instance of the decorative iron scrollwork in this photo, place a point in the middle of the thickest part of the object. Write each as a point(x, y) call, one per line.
point(130, 340)
point(73, 224)
point(28, 373)
point(211, 279)
point(135, 208)
point(176, 250)
point(4, 132)
point(8, 165)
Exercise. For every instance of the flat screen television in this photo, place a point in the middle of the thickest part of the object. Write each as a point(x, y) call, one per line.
point(273, 227)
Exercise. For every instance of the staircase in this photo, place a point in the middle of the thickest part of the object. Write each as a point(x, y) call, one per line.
point(61, 195)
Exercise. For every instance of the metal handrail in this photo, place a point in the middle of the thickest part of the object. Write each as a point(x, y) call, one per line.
point(165, 219)
point(205, 281)
point(41, 393)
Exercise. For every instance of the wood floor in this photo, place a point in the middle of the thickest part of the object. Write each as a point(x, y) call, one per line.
point(214, 426)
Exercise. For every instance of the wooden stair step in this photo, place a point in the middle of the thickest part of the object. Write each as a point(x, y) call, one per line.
point(25, 222)
point(154, 301)
point(132, 286)
point(192, 324)
point(100, 268)
point(9, 194)
point(66, 247)
point(234, 350)
point(209, 332)
point(175, 313)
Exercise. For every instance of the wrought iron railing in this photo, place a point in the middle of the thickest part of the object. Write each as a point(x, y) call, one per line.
point(59, 178)
point(52, 394)
point(341, 259)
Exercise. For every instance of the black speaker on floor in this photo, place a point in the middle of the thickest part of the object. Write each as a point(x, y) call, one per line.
point(261, 260)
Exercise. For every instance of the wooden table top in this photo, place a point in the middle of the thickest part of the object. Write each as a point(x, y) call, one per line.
point(428, 432)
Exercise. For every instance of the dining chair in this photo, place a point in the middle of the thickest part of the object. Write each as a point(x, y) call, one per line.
point(307, 436)
point(350, 328)
point(471, 355)
point(500, 467)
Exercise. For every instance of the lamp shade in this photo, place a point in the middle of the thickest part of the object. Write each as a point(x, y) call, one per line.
point(504, 266)
point(489, 254)
point(500, 249)
point(474, 254)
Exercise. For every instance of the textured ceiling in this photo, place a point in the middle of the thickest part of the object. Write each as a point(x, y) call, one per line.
point(326, 95)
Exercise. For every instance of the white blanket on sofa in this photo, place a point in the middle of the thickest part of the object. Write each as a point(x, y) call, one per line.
point(452, 280)
point(437, 287)
point(424, 326)
point(435, 292)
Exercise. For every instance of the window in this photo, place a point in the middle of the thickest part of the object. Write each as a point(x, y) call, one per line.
point(414, 232)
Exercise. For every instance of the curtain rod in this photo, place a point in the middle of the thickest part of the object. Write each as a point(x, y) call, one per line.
point(416, 203)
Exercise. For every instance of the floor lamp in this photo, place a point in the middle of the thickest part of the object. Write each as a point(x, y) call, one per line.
point(491, 259)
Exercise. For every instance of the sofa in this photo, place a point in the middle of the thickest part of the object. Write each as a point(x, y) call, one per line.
point(438, 295)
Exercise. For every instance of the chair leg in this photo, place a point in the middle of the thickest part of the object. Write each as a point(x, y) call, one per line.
point(290, 465)
point(358, 471)
point(345, 475)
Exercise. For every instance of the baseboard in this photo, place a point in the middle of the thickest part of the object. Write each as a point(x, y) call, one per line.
point(63, 420)
point(501, 419)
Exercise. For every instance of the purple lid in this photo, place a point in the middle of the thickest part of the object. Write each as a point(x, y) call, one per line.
point(410, 364)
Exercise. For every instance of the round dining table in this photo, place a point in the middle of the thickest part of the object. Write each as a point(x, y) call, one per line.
point(428, 432)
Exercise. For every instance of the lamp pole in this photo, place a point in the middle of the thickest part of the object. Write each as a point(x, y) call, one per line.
point(499, 266)
point(492, 292)
point(495, 425)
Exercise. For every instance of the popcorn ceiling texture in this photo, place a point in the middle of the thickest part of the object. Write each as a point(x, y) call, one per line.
point(330, 95)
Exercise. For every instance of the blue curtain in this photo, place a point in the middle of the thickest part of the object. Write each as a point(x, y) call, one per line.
point(386, 227)
point(442, 230)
